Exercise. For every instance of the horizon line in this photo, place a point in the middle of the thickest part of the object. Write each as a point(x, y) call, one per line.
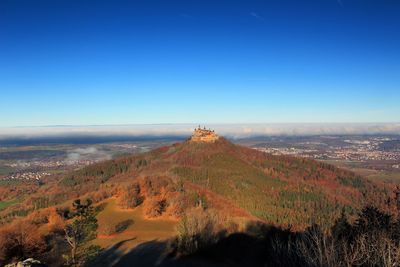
point(191, 123)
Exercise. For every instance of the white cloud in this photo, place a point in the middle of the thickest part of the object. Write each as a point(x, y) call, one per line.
point(257, 16)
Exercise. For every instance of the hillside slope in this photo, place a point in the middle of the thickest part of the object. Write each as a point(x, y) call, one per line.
point(282, 190)
point(279, 189)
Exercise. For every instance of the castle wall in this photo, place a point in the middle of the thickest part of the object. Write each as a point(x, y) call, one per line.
point(202, 135)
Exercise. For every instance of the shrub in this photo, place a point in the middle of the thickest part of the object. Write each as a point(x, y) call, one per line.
point(100, 207)
point(122, 226)
point(109, 228)
point(177, 205)
point(155, 207)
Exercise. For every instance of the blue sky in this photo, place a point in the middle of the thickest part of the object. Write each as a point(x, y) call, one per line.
point(125, 62)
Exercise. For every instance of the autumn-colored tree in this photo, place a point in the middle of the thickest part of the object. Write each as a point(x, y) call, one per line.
point(130, 197)
point(21, 240)
point(56, 222)
point(154, 207)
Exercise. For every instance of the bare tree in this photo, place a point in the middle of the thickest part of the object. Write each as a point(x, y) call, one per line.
point(318, 248)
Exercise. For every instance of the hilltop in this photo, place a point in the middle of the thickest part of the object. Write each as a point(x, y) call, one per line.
point(204, 135)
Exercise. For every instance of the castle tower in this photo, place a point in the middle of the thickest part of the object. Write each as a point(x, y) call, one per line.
point(203, 135)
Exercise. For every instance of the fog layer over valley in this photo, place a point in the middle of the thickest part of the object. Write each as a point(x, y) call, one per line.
point(179, 131)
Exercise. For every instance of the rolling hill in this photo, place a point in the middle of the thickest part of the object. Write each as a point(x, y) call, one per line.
point(282, 190)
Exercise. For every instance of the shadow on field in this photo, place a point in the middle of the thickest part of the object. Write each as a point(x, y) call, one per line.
point(110, 256)
point(256, 247)
point(150, 253)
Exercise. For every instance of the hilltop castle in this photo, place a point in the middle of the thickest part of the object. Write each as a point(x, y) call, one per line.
point(204, 135)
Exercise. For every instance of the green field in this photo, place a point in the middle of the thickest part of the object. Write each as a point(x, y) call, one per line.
point(392, 176)
point(5, 204)
point(10, 182)
point(5, 170)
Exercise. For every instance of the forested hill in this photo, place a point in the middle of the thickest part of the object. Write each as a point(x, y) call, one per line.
point(283, 190)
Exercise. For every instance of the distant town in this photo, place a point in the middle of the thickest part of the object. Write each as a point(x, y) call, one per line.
point(62, 158)
point(367, 149)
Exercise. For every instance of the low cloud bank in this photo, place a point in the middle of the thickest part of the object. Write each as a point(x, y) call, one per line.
point(78, 154)
point(229, 130)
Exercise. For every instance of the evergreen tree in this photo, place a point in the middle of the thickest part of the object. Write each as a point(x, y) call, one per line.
point(81, 231)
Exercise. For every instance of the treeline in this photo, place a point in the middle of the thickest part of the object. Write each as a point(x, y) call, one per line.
point(101, 171)
point(55, 197)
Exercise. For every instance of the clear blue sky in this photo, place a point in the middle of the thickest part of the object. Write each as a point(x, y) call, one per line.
point(69, 62)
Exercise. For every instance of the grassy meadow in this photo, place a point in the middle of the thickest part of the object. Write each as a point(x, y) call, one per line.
point(5, 204)
point(139, 231)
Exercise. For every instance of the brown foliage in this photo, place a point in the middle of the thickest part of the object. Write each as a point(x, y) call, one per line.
point(154, 207)
point(49, 217)
point(197, 229)
point(21, 240)
point(176, 205)
point(129, 196)
point(56, 222)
